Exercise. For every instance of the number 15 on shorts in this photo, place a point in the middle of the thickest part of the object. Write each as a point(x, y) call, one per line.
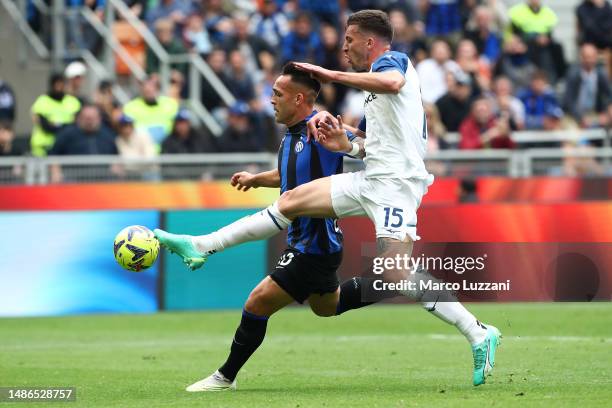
point(393, 217)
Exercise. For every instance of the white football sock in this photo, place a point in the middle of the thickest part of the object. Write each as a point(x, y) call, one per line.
point(261, 225)
point(456, 314)
point(444, 305)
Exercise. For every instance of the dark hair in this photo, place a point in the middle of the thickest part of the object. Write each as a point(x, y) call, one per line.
point(301, 77)
point(87, 105)
point(302, 15)
point(375, 21)
point(105, 85)
point(56, 77)
point(6, 125)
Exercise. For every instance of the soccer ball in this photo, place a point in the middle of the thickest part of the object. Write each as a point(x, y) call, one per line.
point(136, 248)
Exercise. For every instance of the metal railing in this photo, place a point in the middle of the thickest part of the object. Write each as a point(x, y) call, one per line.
point(106, 33)
point(550, 136)
point(104, 68)
point(585, 161)
point(197, 67)
point(16, 12)
point(82, 169)
point(210, 166)
point(474, 163)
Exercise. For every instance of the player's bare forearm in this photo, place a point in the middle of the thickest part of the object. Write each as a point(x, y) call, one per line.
point(244, 181)
point(380, 82)
point(269, 178)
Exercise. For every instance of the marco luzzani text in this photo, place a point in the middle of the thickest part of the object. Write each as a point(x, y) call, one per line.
point(459, 265)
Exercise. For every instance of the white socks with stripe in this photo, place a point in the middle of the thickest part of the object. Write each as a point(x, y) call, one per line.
point(456, 314)
point(261, 225)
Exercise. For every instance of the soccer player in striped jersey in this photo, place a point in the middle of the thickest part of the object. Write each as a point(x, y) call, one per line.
point(306, 271)
point(389, 190)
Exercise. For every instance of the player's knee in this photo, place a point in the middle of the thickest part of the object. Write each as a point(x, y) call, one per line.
point(285, 203)
point(256, 303)
point(323, 311)
point(252, 305)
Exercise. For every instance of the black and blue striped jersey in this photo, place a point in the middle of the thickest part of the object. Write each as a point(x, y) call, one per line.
point(299, 162)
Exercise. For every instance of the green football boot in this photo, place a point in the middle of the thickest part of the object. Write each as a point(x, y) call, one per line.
point(484, 355)
point(182, 246)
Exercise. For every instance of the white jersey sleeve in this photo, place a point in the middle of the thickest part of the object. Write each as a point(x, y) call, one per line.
point(396, 129)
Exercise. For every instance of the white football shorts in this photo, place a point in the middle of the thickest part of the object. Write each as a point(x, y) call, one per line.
point(391, 203)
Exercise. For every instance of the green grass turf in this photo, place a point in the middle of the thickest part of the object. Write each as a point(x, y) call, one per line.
point(384, 356)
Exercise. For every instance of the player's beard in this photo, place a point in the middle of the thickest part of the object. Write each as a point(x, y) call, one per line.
point(361, 67)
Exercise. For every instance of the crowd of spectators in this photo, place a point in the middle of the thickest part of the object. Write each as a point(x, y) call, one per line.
point(485, 71)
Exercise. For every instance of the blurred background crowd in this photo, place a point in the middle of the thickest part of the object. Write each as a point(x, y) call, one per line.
point(486, 70)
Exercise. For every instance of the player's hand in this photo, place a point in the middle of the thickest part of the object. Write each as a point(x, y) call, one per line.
point(319, 73)
point(243, 181)
point(313, 123)
point(332, 136)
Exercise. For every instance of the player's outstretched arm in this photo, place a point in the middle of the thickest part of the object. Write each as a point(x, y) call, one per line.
point(379, 82)
point(244, 180)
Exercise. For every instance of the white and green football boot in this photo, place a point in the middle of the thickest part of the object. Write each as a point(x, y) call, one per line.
point(484, 355)
point(182, 246)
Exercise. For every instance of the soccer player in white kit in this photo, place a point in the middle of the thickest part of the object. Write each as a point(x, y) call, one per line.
point(388, 191)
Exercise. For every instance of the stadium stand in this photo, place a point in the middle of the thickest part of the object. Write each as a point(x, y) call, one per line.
point(217, 60)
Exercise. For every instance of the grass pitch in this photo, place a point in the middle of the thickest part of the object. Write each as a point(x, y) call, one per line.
point(383, 356)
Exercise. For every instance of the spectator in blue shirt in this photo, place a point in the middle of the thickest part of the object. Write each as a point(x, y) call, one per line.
point(324, 10)
point(408, 36)
point(217, 21)
point(302, 44)
point(94, 4)
point(442, 18)
point(7, 102)
point(514, 63)
point(542, 110)
point(239, 80)
point(175, 10)
point(487, 41)
point(86, 136)
point(270, 24)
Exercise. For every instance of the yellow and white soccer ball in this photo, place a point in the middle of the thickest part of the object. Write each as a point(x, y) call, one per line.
point(136, 248)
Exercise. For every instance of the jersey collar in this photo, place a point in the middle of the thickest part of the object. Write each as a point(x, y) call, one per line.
point(298, 127)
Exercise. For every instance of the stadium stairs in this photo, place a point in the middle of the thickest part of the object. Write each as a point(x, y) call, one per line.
point(29, 80)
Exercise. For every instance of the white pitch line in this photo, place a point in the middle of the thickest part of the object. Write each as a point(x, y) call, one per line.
point(215, 340)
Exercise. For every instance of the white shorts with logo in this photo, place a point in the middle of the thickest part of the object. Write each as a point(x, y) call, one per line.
point(389, 202)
